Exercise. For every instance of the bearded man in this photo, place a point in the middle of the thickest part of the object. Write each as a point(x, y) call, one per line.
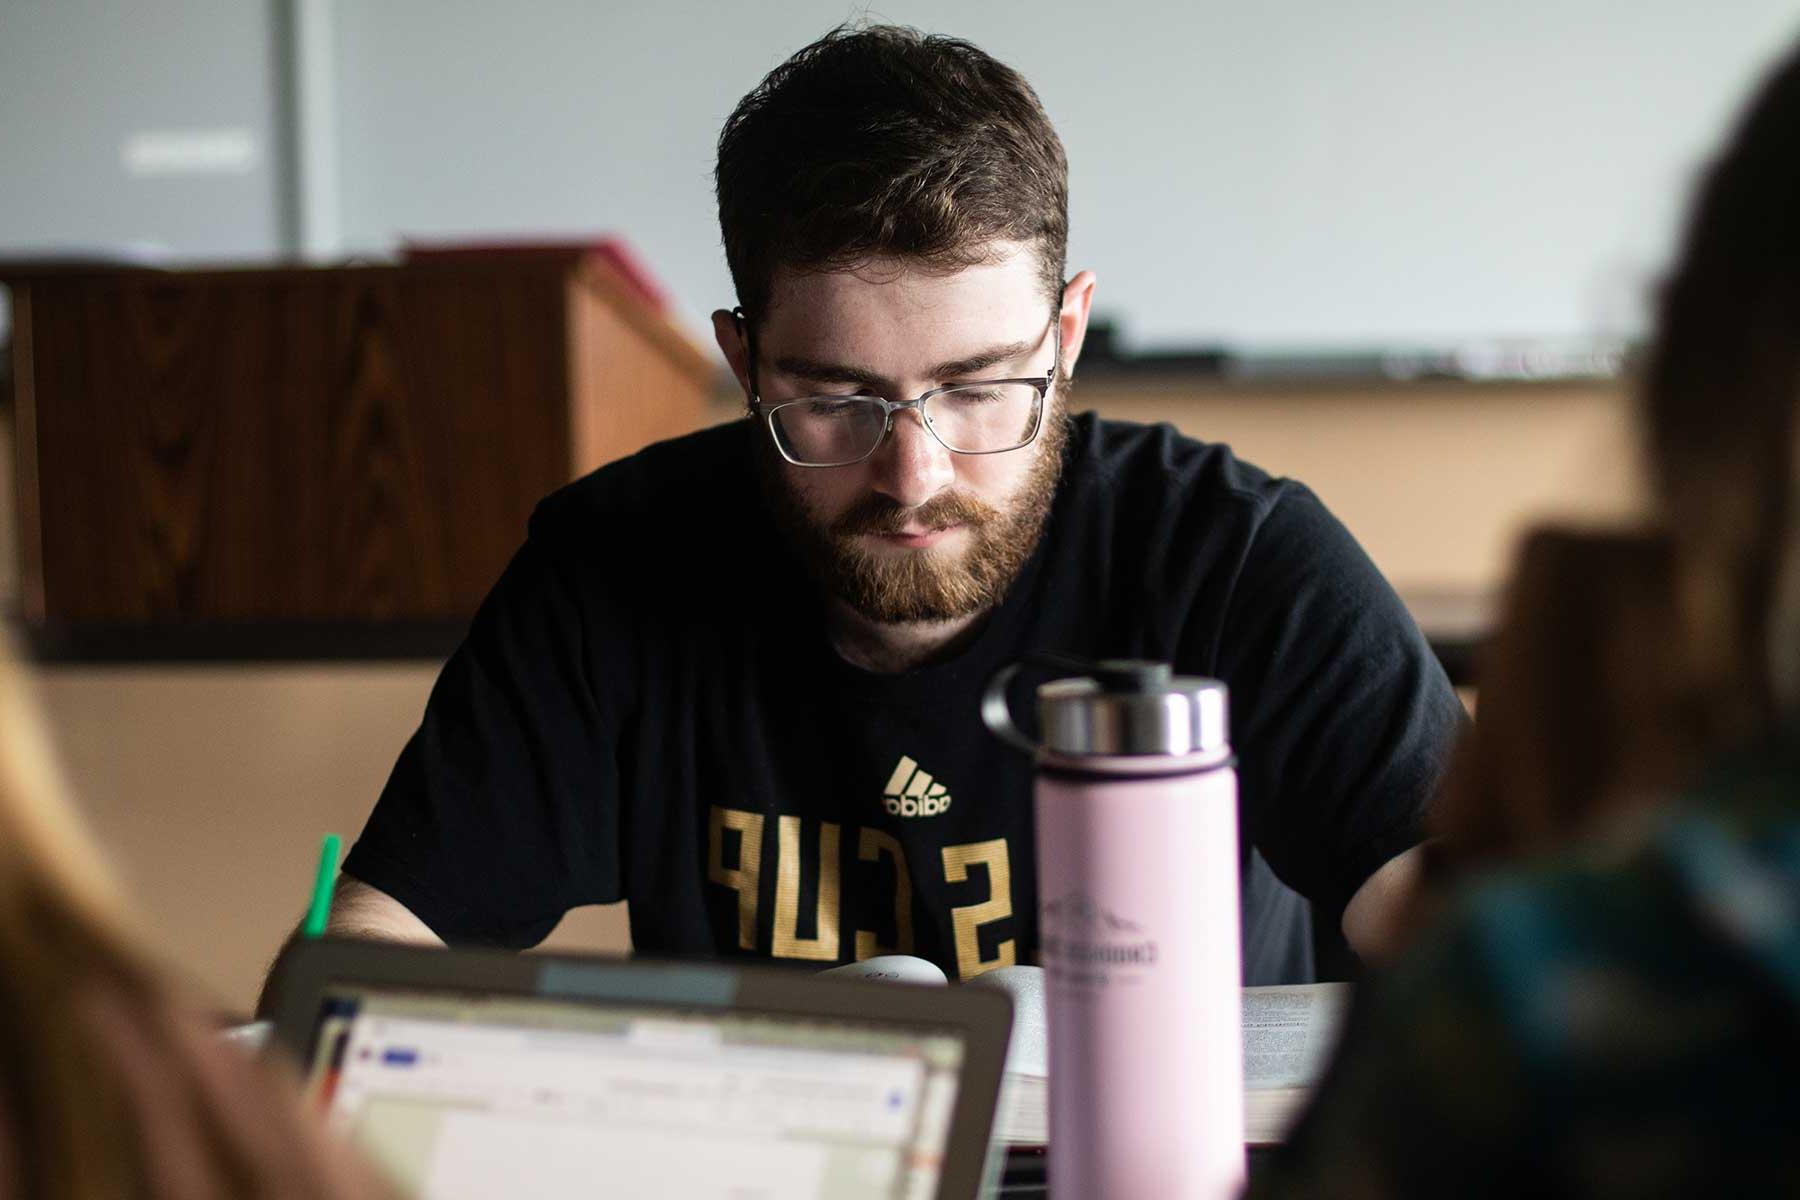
point(736, 678)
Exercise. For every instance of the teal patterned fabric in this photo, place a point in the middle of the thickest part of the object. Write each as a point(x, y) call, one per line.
point(1625, 1024)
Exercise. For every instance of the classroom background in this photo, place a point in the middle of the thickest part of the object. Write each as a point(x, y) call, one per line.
point(1403, 251)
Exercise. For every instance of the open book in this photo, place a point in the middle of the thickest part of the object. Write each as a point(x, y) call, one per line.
point(1289, 1033)
point(1288, 1036)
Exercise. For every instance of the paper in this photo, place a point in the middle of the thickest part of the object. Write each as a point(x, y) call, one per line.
point(1289, 1031)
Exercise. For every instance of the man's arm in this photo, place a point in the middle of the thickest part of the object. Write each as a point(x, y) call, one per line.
point(502, 811)
point(357, 911)
point(1342, 715)
point(1372, 918)
point(361, 911)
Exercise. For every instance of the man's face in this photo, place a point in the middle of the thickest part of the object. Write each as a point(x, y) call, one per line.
point(915, 532)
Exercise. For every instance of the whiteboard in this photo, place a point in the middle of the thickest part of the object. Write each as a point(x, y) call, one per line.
point(1298, 174)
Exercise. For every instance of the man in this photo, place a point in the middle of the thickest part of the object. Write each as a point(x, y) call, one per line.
point(735, 678)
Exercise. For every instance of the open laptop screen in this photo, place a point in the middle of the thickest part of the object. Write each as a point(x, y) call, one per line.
point(474, 1095)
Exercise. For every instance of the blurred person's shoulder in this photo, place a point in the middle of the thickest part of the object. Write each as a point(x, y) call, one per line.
point(1732, 846)
point(1717, 866)
point(1664, 943)
point(1567, 1026)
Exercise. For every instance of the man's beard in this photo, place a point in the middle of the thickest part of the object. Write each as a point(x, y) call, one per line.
point(924, 584)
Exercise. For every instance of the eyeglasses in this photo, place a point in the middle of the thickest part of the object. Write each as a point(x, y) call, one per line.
point(989, 416)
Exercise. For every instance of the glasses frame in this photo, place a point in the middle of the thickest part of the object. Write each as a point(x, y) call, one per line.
point(1044, 384)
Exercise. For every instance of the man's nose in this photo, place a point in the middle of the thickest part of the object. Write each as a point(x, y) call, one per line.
point(912, 466)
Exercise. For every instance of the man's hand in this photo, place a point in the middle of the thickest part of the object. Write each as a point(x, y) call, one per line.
point(1371, 918)
point(357, 911)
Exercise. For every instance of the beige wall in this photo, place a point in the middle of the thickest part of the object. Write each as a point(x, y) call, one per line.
point(212, 785)
point(1436, 480)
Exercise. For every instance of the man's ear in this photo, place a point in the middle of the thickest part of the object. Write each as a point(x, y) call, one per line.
point(1077, 299)
point(728, 331)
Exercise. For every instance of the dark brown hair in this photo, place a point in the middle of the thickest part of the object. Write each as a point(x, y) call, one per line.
point(1625, 662)
point(882, 141)
point(1719, 398)
point(1584, 710)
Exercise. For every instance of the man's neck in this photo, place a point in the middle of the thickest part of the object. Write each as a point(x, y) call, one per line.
point(888, 649)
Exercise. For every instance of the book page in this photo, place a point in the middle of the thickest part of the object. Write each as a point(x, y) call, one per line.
point(1289, 1032)
point(1023, 1117)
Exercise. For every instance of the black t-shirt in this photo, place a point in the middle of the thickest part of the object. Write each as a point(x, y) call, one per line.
point(647, 708)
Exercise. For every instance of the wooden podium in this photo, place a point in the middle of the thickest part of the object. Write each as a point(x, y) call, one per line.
point(317, 448)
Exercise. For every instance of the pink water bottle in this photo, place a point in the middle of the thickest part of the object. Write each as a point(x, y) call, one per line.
point(1137, 844)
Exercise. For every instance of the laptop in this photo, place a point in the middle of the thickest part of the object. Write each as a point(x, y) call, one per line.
point(469, 1073)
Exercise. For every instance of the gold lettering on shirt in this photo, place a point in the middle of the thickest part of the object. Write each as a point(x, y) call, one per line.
point(871, 845)
point(823, 947)
point(971, 917)
point(744, 877)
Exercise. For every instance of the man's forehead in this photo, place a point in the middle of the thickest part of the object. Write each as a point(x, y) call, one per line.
point(905, 312)
point(1000, 272)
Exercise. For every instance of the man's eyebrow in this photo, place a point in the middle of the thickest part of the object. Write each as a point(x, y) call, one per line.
point(993, 356)
point(819, 371)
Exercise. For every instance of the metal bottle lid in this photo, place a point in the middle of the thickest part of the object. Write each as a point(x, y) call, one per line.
point(1126, 707)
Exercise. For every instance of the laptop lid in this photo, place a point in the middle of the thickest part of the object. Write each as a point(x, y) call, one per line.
point(478, 1073)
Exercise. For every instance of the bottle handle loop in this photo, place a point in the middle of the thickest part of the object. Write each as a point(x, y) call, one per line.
point(996, 709)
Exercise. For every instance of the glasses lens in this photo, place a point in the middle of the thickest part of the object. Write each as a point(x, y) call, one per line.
point(984, 417)
point(827, 430)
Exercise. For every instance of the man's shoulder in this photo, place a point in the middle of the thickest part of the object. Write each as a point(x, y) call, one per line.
point(689, 475)
point(1151, 469)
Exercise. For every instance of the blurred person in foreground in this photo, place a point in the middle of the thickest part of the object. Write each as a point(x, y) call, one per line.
point(1611, 1007)
point(110, 1085)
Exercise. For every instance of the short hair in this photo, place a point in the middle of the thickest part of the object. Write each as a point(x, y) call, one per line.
point(881, 141)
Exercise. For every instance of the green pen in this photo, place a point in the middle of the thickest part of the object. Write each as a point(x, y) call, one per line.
point(321, 896)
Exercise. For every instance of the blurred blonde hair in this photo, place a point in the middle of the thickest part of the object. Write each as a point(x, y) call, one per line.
point(65, 940)
point(45, 844)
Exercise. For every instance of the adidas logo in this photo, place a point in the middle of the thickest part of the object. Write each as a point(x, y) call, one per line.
point(910, 792)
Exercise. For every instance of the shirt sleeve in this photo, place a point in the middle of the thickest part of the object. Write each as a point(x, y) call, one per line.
point(502, 812)
point(1342, 717)
point(1427, 1094)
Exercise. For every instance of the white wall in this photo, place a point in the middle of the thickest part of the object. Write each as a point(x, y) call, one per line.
point(79, 79)
point(1301, 172)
